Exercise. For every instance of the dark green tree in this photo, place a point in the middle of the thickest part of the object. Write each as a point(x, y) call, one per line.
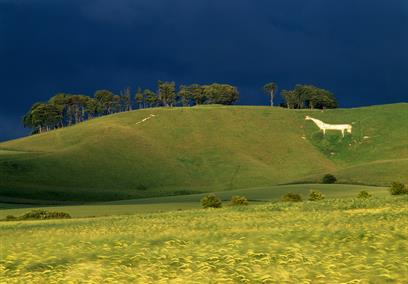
point(139, 98)
point(313, 97)
point(221, 94)
point(197, 93)
point(60, 101)
point(92, 108)
point(290, 98)
point(150, 98)
point(42, 117)
point(167, 93)
point(126, 100)
point(184, 95)
point(105, 99)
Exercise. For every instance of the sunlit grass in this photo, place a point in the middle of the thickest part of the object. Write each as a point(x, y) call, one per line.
point(330, 241)
point(198, 150)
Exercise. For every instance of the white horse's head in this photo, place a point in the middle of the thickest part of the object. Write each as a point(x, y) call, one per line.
point(307, 117)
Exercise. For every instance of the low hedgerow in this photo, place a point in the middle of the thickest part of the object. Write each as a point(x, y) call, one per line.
point(39, 214)
point(398, 188)
point(239, 200)
point(363, 194)
point(291, 197)
point(211, 201)
point(315, 195)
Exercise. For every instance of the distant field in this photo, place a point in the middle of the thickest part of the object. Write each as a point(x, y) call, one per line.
point(183, 202)
point(332, 241)
point(200, 149)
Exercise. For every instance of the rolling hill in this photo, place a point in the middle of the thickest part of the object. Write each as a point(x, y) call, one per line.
point(201, 149)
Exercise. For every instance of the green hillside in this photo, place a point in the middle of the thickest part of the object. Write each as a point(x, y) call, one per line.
point(201, 149)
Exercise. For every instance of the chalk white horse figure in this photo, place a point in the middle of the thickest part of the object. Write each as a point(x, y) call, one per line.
point(324, 126)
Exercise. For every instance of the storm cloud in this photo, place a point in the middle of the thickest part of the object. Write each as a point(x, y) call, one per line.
point(357, 49)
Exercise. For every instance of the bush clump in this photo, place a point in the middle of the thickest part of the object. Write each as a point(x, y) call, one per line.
point(363, 194)
point(315, 195)
point(39, 214)
point(211, 201)
point(291, 197)
point(398, 188)
point(10, 218)
point(239, 200)
point(329, 178)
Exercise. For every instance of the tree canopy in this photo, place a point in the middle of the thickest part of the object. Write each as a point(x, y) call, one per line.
point(63, 109)
point(309, 96)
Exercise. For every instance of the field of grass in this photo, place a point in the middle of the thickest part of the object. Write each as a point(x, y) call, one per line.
point(184, 202)
point(331, 241)
point(201, 149)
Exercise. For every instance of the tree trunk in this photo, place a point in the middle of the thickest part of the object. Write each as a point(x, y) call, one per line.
point(272, 99)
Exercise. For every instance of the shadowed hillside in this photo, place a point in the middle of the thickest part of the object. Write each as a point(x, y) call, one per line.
point(200, 149)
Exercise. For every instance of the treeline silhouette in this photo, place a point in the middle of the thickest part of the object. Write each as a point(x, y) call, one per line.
point(68, 109)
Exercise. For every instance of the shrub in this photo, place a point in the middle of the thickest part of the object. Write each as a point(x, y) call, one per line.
point(10, 218)
point(239, 200)
point(211, 200)
point(398, 188)
point(315, 195)
point(363, 194)
point(329, 178)
point(291, 197)
point(41, 214)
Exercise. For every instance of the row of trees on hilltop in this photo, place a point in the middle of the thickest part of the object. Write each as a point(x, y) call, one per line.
point(302, 96)
point(67, 109)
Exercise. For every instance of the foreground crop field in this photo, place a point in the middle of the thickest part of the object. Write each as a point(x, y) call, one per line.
point(331, 241)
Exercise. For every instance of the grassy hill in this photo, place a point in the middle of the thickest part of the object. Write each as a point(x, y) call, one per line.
point(201, 149)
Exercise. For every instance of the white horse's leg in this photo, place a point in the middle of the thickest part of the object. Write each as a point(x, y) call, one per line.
point(324, 131)
point(342, 132)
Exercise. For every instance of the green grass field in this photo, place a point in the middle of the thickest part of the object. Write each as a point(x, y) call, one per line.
point(184, 202)
point(343, 240)
point(201, 149)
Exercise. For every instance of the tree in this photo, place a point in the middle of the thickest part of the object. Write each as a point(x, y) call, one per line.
point(139, 98)
point(42, 117)
point(290, 98)
point(313, 97)
point(309, 96)
point(116, 106)
point(167, 93)
point(60, 101)
point(196, 92)
point(211, 201)
point(221, 94)
point(92, 108)
point(185, 95)
point(125, 100)
point(270, 89)
point(150, 98)
point(76, 108)
point(329, 178)
point(28, 117)
point(105, 99)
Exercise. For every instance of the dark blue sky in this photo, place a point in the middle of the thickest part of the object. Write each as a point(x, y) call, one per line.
point(357, 49)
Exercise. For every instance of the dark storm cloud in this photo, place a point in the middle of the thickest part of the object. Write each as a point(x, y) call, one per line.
point(357, 49)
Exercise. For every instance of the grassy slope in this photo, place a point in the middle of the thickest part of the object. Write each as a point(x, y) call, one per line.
point(187, 150)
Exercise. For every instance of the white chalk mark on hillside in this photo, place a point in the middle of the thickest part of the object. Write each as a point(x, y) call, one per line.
point(145, 119)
